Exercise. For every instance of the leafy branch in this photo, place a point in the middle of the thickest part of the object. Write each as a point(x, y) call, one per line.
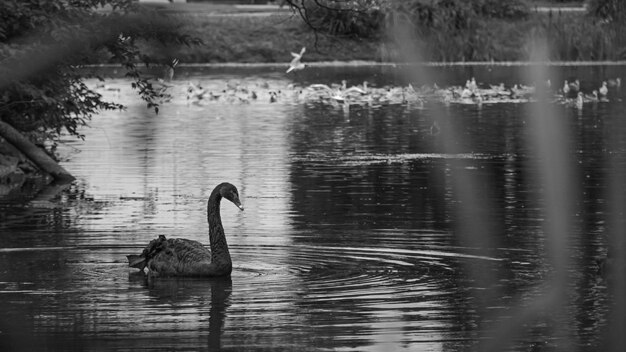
point(44, 46)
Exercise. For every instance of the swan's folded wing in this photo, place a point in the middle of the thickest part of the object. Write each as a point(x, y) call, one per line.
point(141, 261)
point(182, 257)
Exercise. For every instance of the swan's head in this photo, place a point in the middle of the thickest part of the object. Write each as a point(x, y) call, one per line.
point(229, 192)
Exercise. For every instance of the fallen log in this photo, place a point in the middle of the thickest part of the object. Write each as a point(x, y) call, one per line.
point(34, 153)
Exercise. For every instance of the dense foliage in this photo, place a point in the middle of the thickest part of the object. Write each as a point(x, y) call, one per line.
point(469, 28)
point(367, 18)
point(359, 18)
point(478, 30)
point(459, 14)
point(43, 45)
point(609, 10)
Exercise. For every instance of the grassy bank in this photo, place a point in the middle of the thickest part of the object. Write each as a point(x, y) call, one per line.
point(267, 39)
point(246, 39)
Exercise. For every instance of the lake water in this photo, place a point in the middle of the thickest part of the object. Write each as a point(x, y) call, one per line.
point(365, 229)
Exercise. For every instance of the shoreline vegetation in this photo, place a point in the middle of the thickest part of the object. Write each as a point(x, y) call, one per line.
point(247, 37)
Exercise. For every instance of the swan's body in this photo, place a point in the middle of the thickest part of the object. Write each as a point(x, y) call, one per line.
point(183, 257)
point(593, 97)
point(603, 90)
point(466, 93)
point(319, 86)
point(615, 83)
point(574, 89)
point(579, 100)
point(472, 85)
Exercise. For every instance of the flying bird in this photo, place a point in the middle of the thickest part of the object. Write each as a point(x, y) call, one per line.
point(295, 64)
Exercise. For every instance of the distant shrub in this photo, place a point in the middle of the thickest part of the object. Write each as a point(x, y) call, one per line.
point(510, 9)
point(360, 18)
point(459, 13)
point(366, 18)
point(609, 10)
point(583, 38)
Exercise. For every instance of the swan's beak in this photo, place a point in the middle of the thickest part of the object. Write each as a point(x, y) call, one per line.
point(238, 204)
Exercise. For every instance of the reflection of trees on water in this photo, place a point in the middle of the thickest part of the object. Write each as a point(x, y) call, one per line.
point(340, 185)
point(55, 208)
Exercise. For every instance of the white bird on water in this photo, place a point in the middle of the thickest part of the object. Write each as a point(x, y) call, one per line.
point(295, 64)
point(604, 90)
point(579, 100)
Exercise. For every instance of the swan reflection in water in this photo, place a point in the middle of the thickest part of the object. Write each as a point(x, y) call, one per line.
point(199, 294)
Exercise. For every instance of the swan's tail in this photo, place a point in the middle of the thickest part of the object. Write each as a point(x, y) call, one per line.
point(136, 261)
point(141, 261)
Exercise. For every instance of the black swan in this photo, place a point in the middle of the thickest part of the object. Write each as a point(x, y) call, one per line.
point(182, 257)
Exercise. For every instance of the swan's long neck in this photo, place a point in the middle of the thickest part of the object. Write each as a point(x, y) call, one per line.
point(219, 247)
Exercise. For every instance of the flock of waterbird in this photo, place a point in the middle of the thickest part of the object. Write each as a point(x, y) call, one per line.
point(365, 94)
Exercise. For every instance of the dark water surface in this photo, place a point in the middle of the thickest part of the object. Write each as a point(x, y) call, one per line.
point(351, 238)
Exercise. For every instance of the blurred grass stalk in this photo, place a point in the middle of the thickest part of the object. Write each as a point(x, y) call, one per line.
point(550, 135)
point(616, 334)
point(473, 227)
point(550, 138)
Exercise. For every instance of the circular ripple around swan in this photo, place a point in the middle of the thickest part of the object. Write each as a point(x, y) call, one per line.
point(361, 276)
